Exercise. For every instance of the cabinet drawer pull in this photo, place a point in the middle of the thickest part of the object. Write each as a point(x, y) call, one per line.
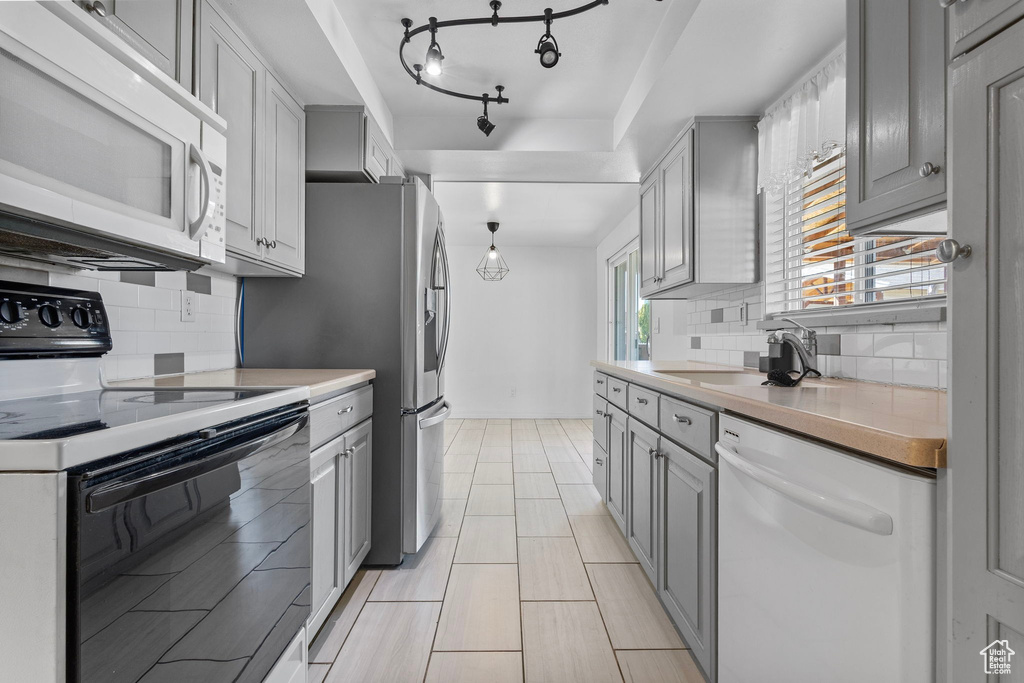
point(349, 409)
point(600, 381)
point(598, 461)
point(617, 390)
point(682, 419)
point(641, 401)
point(600, 413)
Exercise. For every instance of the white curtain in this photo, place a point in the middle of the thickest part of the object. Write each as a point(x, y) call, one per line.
point(807, 125)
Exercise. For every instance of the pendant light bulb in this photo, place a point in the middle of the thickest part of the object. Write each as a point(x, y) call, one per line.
point(432, 64)
point(492, 254)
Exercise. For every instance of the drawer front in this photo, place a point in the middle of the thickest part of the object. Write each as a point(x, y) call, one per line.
point(330, 418)
point(601, 384)
point(601, 418)
point(617, 392)
point(601, 471)
point(643, 404)
point(689, 425)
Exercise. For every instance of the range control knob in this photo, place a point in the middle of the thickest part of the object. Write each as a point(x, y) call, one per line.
point(81, 318)
point(50, 315)
point(10, 312)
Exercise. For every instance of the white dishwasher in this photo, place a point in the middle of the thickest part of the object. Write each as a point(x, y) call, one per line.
point(826, 563)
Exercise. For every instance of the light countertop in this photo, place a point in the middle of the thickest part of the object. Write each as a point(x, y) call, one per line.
point(320, 382)
point(902, 424)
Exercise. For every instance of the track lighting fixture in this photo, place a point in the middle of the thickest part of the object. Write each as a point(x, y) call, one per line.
point(547, 46)
point(432, 62)
point(547, 49)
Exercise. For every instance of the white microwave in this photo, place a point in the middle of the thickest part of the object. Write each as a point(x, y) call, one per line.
point(100, 159)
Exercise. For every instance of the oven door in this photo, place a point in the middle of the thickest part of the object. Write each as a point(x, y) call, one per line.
point(90, 144)
point(191, 561)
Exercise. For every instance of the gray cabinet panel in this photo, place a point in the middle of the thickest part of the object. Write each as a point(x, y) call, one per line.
point(972, 23)
point(346, 144)
point(231, 81)
point(327, 501)
point(617, 474)
point(985, 481)
point(601, 422)
point(159, 30)
point(677, 213)
point(895, 111)
point(600, 473)
point(358, 472)
point(687, 515)
point(642, 521)
point(285, 192)
point(650, 222)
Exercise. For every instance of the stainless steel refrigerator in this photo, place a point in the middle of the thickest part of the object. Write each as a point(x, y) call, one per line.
point(375, 295)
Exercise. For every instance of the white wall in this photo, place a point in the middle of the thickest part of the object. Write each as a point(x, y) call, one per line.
point(624, 233)
point(534, 331)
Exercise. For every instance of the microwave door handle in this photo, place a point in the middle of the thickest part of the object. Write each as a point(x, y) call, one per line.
point(154, 479)
point(196, 226)
point(853, 513)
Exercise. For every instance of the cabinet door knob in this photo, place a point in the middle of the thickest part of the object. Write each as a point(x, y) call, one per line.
point(950, 250)
point(346, 410)
point(97, 8)
point(273, 244)
point(682, 419)
point(929, 169)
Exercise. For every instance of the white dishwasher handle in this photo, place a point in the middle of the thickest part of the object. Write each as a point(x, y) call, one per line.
point(849, 512)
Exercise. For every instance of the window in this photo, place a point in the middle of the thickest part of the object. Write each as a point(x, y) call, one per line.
point(812, 263)
point(630, 316)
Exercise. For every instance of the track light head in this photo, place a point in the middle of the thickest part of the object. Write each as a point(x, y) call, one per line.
point(484, 124)
point(548, 52)
point(432, 63)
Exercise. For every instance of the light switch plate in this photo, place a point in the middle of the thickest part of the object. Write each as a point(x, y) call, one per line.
point(188, 306)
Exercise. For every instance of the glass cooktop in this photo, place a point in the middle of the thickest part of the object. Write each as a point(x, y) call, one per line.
point(64, 415)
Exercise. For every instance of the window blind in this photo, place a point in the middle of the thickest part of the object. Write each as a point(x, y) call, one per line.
point(812, 262)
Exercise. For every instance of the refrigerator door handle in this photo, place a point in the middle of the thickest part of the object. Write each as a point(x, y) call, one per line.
point(447, 302)
point(849, 512)
point(428, 422)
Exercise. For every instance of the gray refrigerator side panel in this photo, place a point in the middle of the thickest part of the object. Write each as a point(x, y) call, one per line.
point(345, 313)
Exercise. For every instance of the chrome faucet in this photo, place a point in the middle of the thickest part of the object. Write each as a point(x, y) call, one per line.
point(805, 345)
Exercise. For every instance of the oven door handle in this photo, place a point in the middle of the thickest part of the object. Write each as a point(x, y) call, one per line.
point(122, 490)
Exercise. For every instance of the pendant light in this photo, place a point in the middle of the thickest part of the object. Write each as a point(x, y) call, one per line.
point(492, 266)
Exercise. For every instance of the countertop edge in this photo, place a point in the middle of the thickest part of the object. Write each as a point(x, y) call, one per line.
point(914, 451)
point(263, 378)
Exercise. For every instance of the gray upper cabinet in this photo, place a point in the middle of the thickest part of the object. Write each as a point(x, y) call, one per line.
point(266, 151)
point(971, 22)
point(345, 144)
point(642, 522)
point(896, 111)
point(358, 467)
point(159, 30)
point(687, 513)
point(698, 212)
point(231, 83)
point(285, 196)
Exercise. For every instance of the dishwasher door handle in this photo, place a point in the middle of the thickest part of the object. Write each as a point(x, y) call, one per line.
point(850, 512)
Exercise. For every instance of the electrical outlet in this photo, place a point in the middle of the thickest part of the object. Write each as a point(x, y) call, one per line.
point(188, 306)
point(513, 392)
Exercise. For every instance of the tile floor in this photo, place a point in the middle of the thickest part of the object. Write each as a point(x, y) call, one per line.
point(526, 577)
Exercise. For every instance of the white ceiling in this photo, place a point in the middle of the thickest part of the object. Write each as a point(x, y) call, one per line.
point(571, 145)
point(531, 214)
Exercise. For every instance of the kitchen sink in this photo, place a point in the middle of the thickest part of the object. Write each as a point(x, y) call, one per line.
point(743, 379)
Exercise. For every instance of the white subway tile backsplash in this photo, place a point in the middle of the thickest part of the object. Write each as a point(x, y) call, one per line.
point(119, 293)
point(874, 369)
point(894, 345)
point(930, 345)
point(138, 319)
point(157, 298)
point(858, 344)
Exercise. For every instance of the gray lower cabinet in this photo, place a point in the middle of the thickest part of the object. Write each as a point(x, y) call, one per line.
point(895, 111)
point(617, 474)
point(602, 417)
point(972, 23)
point(687, 514)
point(341, 481)
point(358, 482)
point(643, 504)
